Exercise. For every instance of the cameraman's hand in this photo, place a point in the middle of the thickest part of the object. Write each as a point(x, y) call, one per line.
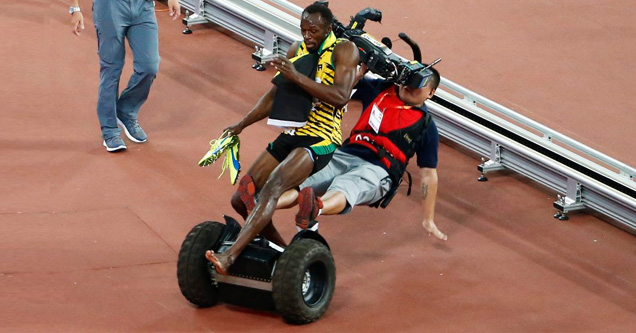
point(285, 67)
point(362, 69)
point(431, 228)
point(235, 129)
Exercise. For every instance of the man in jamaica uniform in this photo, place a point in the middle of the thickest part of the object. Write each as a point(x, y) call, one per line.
point(393, 127)
point(300, 150)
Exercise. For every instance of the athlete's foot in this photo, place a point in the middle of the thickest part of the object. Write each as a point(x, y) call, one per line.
point(433, 230)
point(221, 262)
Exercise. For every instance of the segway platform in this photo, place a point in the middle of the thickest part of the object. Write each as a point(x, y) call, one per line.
point(297, 282)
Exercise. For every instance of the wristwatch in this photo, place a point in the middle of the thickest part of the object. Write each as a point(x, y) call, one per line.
point(72, 10)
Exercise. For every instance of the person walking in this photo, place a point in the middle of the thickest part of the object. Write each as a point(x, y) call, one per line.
point(116, 21)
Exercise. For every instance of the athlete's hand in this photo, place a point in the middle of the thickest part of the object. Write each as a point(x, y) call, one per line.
point(77, 22)
point(235, 129)
point(285, 67)
point(429, 225)
point(174, 9)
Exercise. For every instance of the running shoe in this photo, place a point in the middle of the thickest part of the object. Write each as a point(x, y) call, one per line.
point(247, 193)
point(114, 144)
point(133, 131)
point(308, 208)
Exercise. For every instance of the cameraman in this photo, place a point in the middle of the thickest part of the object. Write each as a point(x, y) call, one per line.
point(368, 167)
point(301, 150)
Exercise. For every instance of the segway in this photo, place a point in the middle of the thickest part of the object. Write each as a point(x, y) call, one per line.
point(297, 281)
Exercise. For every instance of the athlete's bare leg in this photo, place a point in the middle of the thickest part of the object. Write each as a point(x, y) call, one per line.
point(259, 171)
point(288, 174)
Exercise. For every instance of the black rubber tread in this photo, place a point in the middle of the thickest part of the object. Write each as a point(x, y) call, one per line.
point(288, 278)
point(193, 269)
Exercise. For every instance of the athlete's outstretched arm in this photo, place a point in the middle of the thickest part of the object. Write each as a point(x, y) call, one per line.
point(260, 111)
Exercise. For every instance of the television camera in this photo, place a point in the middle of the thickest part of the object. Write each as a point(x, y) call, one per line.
point(377, 55)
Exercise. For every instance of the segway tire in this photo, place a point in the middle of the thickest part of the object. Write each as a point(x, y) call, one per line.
point(303, 281)
point(193, 269)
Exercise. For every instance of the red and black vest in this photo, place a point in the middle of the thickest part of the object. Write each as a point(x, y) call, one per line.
point(399, 133)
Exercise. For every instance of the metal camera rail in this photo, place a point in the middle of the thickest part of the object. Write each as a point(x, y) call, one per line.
point(582, 178)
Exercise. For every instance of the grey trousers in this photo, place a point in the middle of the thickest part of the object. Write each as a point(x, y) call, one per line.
point(116, 20)
point(361, 182)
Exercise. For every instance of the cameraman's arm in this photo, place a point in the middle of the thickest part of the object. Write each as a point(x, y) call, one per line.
point(429, 195)
point(427, 157)
point(369, 86)
point(345, 58)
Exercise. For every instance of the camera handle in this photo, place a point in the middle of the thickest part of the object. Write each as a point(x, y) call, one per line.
point(417, 54)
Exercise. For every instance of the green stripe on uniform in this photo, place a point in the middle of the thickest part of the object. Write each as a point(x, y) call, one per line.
point(324, 150)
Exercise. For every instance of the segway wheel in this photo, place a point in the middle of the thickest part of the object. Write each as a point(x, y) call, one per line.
point(303, 281)
point(193, 269)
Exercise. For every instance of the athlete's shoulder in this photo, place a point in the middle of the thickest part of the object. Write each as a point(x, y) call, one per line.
point(347, 50)
point(342, 43)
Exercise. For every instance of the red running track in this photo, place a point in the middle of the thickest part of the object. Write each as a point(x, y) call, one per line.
point(89, 240)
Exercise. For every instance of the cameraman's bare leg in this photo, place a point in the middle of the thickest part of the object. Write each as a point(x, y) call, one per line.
point(288, 199)
point(289, 174)
point(333, 202)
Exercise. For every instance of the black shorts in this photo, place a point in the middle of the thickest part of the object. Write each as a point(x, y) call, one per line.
point(321, 150)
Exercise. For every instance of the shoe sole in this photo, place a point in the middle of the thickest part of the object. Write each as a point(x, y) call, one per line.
point(234, 165)
point(313, 228)
point(247, 191)
point(114, 149)
point(130, 137)
point(305, 207)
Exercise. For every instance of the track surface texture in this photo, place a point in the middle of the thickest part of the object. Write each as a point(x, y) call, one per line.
point(89, 240)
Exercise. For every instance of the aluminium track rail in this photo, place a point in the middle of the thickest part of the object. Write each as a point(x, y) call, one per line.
point(272, 26)
point(582, 177)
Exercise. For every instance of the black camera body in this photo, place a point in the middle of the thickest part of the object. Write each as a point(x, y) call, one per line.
point(414, 74)
point(378, 56)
